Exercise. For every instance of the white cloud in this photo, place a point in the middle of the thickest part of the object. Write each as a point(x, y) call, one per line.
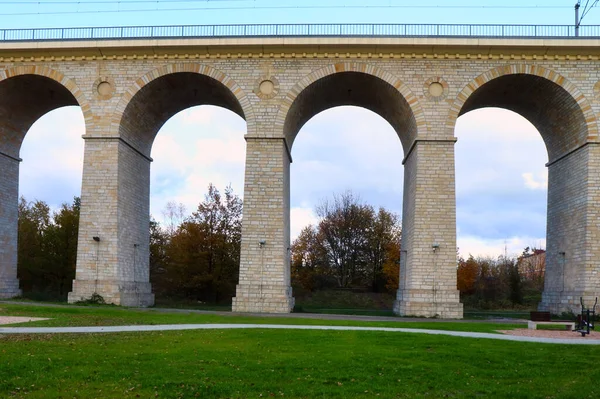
point(347, 148)
point(52, 154)
point(478, 246)
point(496, 124)
point(501, 178)
point(533, 184)
point(198, 115)
point(300, 217)
point(196, 147)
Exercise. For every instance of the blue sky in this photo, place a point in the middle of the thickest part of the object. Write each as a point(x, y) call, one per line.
point(351, 148)
point(87, 12)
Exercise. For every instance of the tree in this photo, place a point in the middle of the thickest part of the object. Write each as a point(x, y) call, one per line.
point(343, 225)
point(159, 240)
point(383, 244)
point(351, 243)
point(504, 282)
point(309, 261)
point(34, 218)
point(173, 214)
point(203, 253)
point(391, 265)
point(47, 247)
point(468, 271)
point(61, 237)
point(514, 281)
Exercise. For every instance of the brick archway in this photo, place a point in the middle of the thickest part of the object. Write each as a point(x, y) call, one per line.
point(567, 123)
point(56, 76)
point(26, 93)
point(200, 69)
point(356, 67)
point(524, 69)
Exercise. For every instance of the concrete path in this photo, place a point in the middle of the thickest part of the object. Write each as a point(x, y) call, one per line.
point(180, 327)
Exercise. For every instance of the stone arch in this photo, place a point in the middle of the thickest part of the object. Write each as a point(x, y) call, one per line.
point(571, 98)
point(402, 89)
point(55, 75)
point(243, 108)
point(40, 80)
point(26, 93)
point(566, 122)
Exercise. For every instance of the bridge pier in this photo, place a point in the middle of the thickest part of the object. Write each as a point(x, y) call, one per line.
point(9, 199)
point(264, 284)
point(573, 231)
point(113, 246)
point(428, 257)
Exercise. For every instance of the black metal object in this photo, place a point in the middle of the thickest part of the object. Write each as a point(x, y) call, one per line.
point(302, 30)
point(585, 321)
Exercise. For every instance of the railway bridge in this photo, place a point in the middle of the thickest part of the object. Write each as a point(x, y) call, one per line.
point(420, 78)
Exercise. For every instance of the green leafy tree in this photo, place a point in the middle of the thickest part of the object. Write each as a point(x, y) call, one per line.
point(382, 239)
point(343, 226)
point(159, 241)
point(351, 244)
point(309, 267)
point(47, 248)
point(201, 258)
point(61, 240)
point(34, 219)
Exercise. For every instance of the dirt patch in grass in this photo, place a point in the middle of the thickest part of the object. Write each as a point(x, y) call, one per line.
point(524, 332)
point(14, 319)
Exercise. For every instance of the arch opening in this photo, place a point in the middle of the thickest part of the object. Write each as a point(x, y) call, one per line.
point(23, 100)
point(357, 157)
point(159, 100)
point(559, 112)
point(548, 106)
point(501, 190)
point(167, 92)
point(355, 89)
point(200, 146)
point(30, 103)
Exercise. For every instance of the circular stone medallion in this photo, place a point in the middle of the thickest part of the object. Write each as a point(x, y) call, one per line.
point(436, 89)
point(266, 87)
point(104, 89)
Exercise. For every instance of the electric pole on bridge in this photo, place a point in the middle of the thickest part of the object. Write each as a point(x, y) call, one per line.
point(586, 9)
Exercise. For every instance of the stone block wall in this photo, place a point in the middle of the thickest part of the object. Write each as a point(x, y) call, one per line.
point(97, 258)
point(573, 232)
point(9, 197)
point(428, 276)
point(264, 284)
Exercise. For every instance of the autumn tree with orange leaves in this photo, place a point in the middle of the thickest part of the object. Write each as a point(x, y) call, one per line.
point(351, 246)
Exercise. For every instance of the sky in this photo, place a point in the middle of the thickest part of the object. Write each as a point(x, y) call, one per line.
point(501, 180)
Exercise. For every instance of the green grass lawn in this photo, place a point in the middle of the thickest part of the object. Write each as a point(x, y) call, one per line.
point(487, 314)
point(112, 315)
point(280, 363)
point(292, 364)
point(345, 311)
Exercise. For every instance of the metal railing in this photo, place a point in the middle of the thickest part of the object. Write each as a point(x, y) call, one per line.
point(302, 30)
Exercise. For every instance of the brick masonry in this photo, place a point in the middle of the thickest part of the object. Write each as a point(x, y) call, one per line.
point(127, 90)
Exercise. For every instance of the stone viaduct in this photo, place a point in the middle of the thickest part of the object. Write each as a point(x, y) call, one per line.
point(127, 89)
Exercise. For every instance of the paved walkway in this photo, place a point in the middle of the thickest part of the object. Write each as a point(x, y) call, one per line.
point(180, 327)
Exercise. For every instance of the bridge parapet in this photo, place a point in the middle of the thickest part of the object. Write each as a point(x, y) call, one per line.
point(303, 30)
